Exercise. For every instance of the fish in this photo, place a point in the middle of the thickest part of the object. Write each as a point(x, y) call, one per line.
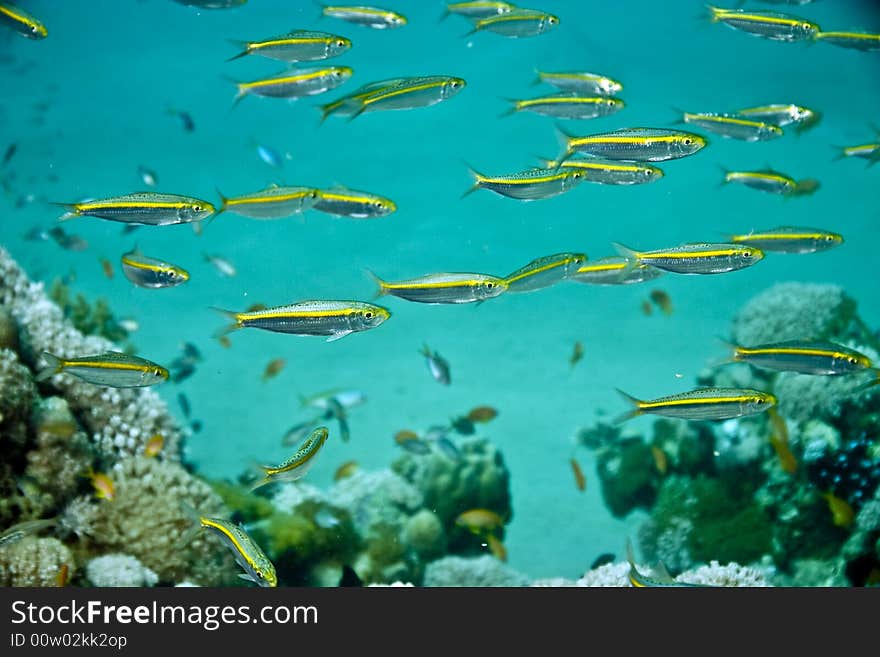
point(660, 579)
point(19, 530)
point(779, 442)
point(437, 366)
point(37, 234)
point(221, 265)
point(566, 106)
point(182, 371)
point(129, 324)
point(647, 308)
point(212, 4)
point(345, 470)
point(297, 465)
point(662, 301)
point(496, 547)
point(702, 404)
point(274, 202)
point(790, 239)
point(295, 83)
point(660, 460)
point(804, 357)
point(347, 398)
point(581, 82)
point(67, 241)
point(406, 93)
point(479, 521)
point(733, 126)
point(343, 202)
point(374, 17)
point(295, 46)
point(333, 319)
point(805, 187)
point(454, 287)
point(609, 172)
point(766, 24)
point(147, 176)
point(447, 448)
point(411, 442)
point(463, 425)
point(151, 273)
point(696, 258)
point(154, 445)
point(580, 480)
point(269, 155)
point(766, 180)
point(517, 23)
point(482, 414)
point(183, 402)
point(9, 153)
point(530, 185)
point(477, 9)
point(842, 513)
point(186, 119)
point(870, 152)
point(111, 369)
point(336, 410)
point(273, 368)
point(21, 22)
point(257, 566)
point(544, 272)
point(437, 431)
point(349, 576)
point(615, 270)
point(224, 341)
point(299, 431)
point(634, 144)
point(144, 208)
point(864, 41)
point(782, 114)
point(577, 353)
point(63, 576)
point(103, 485)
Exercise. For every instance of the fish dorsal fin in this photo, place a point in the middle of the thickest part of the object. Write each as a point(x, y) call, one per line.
point(661, 574)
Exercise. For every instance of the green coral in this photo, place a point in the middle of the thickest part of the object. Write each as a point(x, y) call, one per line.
point(90, 319)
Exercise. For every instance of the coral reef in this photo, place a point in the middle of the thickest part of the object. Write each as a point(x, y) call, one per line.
point(35, 561)
point(89, 319)
point(119, 570)
point(472, 571)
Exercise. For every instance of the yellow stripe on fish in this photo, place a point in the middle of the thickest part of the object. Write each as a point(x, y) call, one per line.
point(247, 553)
point(22, 23)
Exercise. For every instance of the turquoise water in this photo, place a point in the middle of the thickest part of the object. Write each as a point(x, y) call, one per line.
point(111, 69)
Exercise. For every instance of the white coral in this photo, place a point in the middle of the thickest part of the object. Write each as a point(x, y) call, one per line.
point(119, 570)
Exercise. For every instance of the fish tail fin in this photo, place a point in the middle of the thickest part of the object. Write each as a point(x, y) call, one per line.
point(71, 211)
point(545, 161)
point(54, 365)
point(679, 114)
point(539, 78)
point(231, 314)
point(239, 94)
point(259, 471)
point(626, 252)
point(224, 201)
point(713, 13)
point(635, 411)
point(444, 15)
point(244, 45)
point(381, 286)
point(321, 8)
point(478, 179)
point(326, 110)
point(840, 152)
point(725, 172)
point(630, 553)
point(564, 138)
point(513, 109)
point(194, 521)
point(425, 350)
point(870, 384)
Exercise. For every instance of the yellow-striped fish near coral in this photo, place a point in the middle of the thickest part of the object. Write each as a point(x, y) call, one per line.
point(297, 465)
point(804, 357)
point(702, 404)
point(660, 579)
point(112, 369)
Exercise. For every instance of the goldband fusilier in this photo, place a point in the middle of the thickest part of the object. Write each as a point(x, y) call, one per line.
point(702, 404)
point(530, 185)
point(112, 369)
point(865, 41)
point(344, 202)
point(609, 172)
point(151, 273)
point(297, 465)
point(517, 23)
point(146, 208)
point(614, 270)
point(790, 239)
point(697, 258)
point(274, 202)
point(782, 114)
point(633, 144)
point(296, 46)
point(804, 357)
point(581, 82)
point(374, 17)
point(477, 9)
point(869, 152)
point(544, 272)
point(404, 94)
point(564, 106)
point(295, 83)
point(766, 180)
point(766, 24)
point(733, 126)
point(333, 319)
point(21, 22)
point(444, 287)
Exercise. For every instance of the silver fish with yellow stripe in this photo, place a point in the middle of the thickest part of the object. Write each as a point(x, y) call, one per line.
point(297, 465)
point(517, 23)
point(112, 369)
point(581, 82)
point(455, 287)
point(296, 46)
point(567, 106)
point(344, 202)
point(23, 23)
point(733, 126)
point(274, 202)
point(864, 41)
point(375, 17)
point(151, 273)
point(634, 144)
point(477, 9)
point(869, 152)
point(256, 565)
point(333, 319)
point(544, 272)
point(766, 180)
point(782, 114)
point(804, 357)
point(409, 93)
point(702, 404)
point(614, 270)
point(610, 172)
point(697, 258)
point(295, 83)
point(766, 24)
point(790, 239)
point(146, 208)
point(530, 185)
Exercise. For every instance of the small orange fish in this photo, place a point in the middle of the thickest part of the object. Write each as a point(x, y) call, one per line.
point(104, 488)
point(576, 354)
point(496, 547)
point(154, 445)
point(841, 512)
point(482, 414)
point(662, 301)
point(647, 308)
point(63, 575)
point(108, 267)
point(779, 441)
point(224, 341)
point(479, 521)
point(660, 461)
point(273, 368)
point(345, 470)
point(579, 479)
point(404, 435)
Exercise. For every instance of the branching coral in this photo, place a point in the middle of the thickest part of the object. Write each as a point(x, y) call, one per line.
point(35, 561)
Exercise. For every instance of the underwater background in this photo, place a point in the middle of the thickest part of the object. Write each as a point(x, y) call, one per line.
point(91, 103)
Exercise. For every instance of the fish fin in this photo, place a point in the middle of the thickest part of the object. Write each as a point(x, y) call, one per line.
point(564, 138)
point(239, 94)
point(870, 384)
point(634, 412)
point(444, 15)
point(246, 50)
point(680, 114)
point(231, 314)
point(53, 367)
point(381, 286)
point(224, 201)
point(661, 574)
point(247, 577)
point(425, 350)
point(71, 211)
point(714, 13)
point(478, 178)
point(538, 79)
point(630, 554)
point(326, 110)
point(360, 110)
point(194, 528)
point(262, 478)
point(337, 336)
point(626, 252)
point(546, 162)
point(510, 110)
point(321, 8)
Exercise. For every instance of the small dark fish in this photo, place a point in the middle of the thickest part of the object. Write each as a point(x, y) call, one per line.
point(182, 373)
point(647, 308)
point(67, 240)
point(482, 414)
point(662, 301)
point(9, 154)
point(196, 425)
point(580, 479)
point(191, 351)
point(464, 426)
point(107, 266)
point(577, 354)
point(188, 124)
point(410, 441)
point(448, 448)
point(183, 400)
point(602, 559)
point(437, 365)
point(338, 411)
point(273, 368)
point(350, 577)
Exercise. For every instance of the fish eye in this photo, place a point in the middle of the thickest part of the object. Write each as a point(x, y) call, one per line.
point(197, 208)
point(171, 273)
point(805, 26)
point(157, 372)
point(490, 285)
point(852, 360)
point(378, 204)
point(552, 20)
point(759, 400)
point(647, 172)
point(577, 174)
point(340, 43)
point(369, 314)
point(260, 575)
point(687, 141)
point(829, 238)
